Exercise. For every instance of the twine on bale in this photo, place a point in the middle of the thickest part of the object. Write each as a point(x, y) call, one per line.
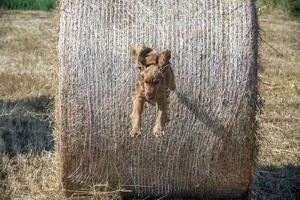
point(209, 146)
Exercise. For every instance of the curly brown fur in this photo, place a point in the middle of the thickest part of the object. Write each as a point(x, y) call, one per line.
point(156, 79)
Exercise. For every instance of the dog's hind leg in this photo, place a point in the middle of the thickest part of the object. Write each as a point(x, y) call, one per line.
point(138, 106)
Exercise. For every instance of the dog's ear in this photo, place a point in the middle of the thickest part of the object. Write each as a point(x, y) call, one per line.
point(140, 57)
point(145, 50)
point(164, 58)
point(134, 53)
point(143, 54)
point(139, 54)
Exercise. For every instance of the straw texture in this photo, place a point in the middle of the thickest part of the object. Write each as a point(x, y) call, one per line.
point(209, 146)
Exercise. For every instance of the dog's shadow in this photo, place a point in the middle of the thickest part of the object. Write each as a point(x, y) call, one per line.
point(207, 119)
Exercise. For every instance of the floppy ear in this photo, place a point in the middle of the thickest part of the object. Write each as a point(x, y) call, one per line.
point(135, 55)
point(143, 54)
point(164, 58)
point(140, 57)
point(140, 53)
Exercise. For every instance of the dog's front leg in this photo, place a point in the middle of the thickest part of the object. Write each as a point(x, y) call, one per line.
point(138, 106)
point(161, 114)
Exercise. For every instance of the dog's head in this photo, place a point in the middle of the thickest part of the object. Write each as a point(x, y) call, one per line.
point(151, 67)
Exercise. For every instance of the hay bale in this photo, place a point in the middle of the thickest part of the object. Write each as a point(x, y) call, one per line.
point(209, 146)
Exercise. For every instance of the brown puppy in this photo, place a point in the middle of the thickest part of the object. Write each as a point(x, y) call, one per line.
point(156, 79)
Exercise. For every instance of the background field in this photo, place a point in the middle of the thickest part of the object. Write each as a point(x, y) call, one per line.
point(29, 166)
point(28, 4)
point(290, 7)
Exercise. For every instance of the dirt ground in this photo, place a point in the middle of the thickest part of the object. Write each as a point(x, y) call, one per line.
point(29, 169)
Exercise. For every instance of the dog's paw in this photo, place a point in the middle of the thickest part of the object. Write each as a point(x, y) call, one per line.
point(158, 132)
point(135, 132)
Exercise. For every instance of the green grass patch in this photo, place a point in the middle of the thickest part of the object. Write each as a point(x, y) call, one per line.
point(290, 7)
point(45, 5)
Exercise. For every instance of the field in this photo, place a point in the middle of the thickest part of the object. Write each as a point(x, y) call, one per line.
point(29, 165)
point(28, 4)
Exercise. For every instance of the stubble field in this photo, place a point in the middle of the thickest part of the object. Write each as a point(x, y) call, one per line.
point(28, 163)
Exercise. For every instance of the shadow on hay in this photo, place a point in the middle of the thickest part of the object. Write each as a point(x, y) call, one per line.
point(25, 126)
point(204, 116)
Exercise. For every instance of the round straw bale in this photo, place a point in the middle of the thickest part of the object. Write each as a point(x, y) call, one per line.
point(209, 144)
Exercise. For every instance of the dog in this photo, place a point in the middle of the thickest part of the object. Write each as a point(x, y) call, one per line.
point(155, 81)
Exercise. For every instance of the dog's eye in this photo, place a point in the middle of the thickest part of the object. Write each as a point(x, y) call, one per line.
point(155, 82)
point(147, 82)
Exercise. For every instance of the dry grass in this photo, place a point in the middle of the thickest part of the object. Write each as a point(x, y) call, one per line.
point(280, 90)
point(30, 176)
point(30, 170)
point(278, 175)
point(27, 54)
